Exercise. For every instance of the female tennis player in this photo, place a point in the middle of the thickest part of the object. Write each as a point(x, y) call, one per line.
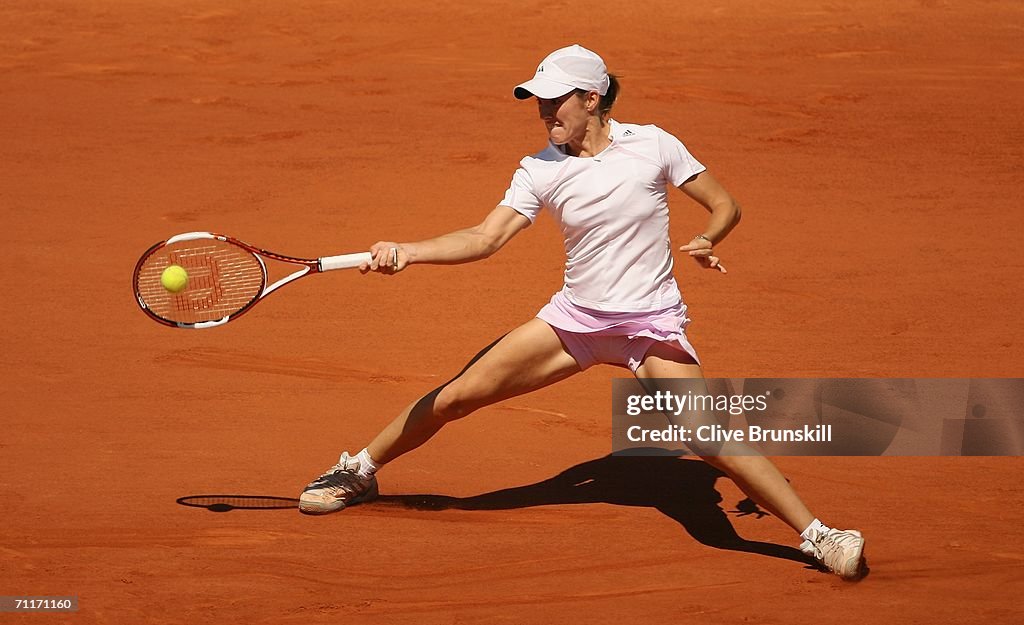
point(605, 183)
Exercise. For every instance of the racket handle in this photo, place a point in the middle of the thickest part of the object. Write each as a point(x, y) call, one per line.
point(345, 261)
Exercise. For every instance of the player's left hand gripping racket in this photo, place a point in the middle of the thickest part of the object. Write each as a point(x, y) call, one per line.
point(226, 277)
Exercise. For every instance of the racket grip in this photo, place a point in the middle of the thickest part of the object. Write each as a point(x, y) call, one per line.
point(345, 261)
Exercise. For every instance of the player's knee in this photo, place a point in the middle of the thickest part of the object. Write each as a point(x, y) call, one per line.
point(709, 451)
point(450, 404)
point(719, 462)
point(723, 458)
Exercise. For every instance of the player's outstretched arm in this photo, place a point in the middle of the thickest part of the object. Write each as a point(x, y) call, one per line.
point(461, 246)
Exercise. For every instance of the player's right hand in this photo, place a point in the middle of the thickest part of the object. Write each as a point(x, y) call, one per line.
point(388, 258)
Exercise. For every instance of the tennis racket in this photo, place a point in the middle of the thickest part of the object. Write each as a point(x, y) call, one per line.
point(226, 278)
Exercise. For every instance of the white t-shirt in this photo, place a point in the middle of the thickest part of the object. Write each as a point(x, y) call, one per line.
point(612, 209)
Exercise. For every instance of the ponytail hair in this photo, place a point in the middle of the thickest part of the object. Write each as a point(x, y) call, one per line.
point(608, 99)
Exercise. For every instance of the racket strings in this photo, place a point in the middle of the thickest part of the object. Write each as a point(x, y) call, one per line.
point(223, 279)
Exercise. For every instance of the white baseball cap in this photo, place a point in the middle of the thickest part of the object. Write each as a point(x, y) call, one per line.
point(563, 70)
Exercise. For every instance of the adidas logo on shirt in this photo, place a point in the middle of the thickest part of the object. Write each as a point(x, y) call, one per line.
point(628, 133)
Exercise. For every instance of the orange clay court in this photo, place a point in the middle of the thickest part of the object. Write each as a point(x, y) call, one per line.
point(875, 147)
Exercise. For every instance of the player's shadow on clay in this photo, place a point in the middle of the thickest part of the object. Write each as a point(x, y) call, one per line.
point(683, 490)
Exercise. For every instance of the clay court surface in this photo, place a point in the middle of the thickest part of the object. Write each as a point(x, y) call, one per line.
point(875, 146)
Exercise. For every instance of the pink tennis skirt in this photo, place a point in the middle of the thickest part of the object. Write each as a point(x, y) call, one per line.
point(596, 336)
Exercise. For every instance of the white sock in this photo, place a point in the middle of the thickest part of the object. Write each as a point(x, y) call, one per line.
point(815, 529)
point(367, 467)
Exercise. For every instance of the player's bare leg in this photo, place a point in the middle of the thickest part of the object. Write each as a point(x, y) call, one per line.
point(756, 475)
point(841, 551)
point(526, 359)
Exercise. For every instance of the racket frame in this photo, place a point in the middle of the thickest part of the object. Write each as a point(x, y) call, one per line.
point(309, 266)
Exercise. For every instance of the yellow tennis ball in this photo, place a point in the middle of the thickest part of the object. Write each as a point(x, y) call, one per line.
point(174, 278)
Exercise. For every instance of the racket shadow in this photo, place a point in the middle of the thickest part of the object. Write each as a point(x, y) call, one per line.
point(227, 503)
point(681, 489)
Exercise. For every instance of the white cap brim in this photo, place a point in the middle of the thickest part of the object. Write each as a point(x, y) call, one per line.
point(542, 88)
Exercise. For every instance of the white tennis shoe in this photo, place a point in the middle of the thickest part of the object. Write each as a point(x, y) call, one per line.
point(840, 551)
point(339, 487)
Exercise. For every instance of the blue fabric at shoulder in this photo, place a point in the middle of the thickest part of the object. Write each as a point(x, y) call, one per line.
point(550, 154)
